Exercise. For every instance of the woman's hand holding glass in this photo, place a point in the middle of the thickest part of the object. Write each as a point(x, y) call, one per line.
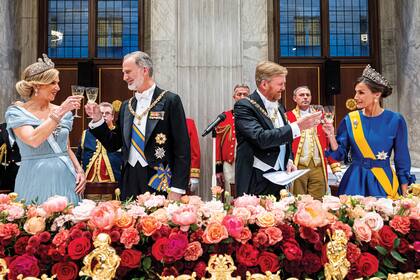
point(71, 103)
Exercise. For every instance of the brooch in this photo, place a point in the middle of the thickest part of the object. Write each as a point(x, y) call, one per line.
point(382, 155)
point(160, 138)
point(355, 123)
point(159, 152)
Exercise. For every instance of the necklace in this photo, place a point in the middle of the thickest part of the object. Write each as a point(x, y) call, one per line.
point(138, 117)
point(262, 110)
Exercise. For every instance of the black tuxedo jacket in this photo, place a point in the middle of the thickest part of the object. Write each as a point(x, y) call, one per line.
point(256, 136)
point(172, 126)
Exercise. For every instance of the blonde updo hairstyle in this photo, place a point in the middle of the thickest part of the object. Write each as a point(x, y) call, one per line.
point(26, 86)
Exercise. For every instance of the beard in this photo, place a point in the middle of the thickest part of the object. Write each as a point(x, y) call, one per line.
point(136, 83)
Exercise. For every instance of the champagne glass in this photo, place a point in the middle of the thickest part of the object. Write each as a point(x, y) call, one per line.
point(329, 112)
point(92, 94)
point(77, 90)
point(317, 108)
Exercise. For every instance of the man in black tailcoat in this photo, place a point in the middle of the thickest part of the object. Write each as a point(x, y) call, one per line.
point(152, 131)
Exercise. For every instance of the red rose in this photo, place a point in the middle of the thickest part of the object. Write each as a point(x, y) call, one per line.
point(130, 258)
point(177, 246)
point(387, 237)
point(65, 270)
point(309, 234)
point(25, 265)
point(269, 262)
point(311, 262)
point(170, 271)
point(292, 250)
point(404, 246)
point(367, 264)
point(247, 255)
point(288, 231)
point(353, 252)
point(78, 248)
point(44, 237)
point(20, 245)
point(158, 248)
point(200, 269)
point(293, 268)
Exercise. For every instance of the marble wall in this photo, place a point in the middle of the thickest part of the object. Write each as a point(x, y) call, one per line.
point(407, 46)
point(18, 45)
point(201, 49)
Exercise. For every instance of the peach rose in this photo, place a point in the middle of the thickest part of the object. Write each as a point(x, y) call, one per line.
point(55, 204)
point(185, 216)
point(103, 216)
point(4, 198)
point(214, 233)
point(124, 220)
point(161, 215)
point(266, 219)
point(34, 225)
point(216, 190)
point(149, 225)
point(274, 235)
point(362, 231)
point(193, 252)
point(400, 224)
point(246, 235)
point(310, 214)
point(129, 237)
point(61, 237)
point(344, 227)
point(9, 230)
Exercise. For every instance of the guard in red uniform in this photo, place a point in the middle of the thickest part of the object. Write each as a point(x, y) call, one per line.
point(195, 156)
point(308, 150)
point(226, 145)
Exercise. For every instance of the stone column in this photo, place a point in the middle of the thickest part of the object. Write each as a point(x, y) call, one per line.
point(201, 49)
point(408, 70)
point(9, 52)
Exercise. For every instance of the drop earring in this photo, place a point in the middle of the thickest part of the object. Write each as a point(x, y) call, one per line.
point(36, 92)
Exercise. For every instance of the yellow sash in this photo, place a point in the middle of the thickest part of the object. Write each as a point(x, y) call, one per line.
point(363, 145)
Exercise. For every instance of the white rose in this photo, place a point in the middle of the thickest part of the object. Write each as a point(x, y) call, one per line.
point(373, 220)
point(83, 210)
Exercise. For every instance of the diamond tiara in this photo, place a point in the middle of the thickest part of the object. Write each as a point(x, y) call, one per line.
point(40, 66)
point(371, 74)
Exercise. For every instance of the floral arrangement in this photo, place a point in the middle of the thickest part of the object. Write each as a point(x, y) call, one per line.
point(154, 236)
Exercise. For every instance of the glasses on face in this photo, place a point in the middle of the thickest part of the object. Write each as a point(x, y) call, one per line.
point(239, 94)
point(106, 113)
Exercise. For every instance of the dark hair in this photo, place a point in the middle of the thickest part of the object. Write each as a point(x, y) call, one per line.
point(374, 87)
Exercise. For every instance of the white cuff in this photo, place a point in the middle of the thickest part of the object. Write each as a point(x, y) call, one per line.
point(179, 191)
point(295, 130)
point(194, 180)
point(93, 125)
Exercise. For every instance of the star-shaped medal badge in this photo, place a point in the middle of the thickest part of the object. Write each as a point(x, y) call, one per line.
point(160, 138)
point(382, 155)
point(159, 152)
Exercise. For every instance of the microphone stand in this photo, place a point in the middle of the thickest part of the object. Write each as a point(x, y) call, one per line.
point(213, 161)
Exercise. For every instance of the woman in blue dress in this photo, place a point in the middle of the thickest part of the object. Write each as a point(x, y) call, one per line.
point(41, 130)
point(372, 133)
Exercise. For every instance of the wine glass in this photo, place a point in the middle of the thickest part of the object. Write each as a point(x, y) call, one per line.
point(92, 94)
point(329, 112)
point(317, 108)
point(77, 90)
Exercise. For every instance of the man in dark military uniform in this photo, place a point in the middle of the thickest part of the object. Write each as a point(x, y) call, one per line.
point(9, 161)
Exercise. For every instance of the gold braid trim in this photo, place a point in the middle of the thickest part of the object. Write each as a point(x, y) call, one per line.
point(140, 116)
point(261, 109)
point(3, 152)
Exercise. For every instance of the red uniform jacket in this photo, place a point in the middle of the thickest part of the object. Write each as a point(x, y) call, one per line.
point(321, 141)
point(195, 149)
point(225, 141)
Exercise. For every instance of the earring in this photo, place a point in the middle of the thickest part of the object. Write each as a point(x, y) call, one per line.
point(376, 100)
point(36, 92)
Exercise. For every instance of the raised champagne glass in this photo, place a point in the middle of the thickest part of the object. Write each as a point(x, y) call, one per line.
point(77, 90)
point(92, 94)
point(329, 112)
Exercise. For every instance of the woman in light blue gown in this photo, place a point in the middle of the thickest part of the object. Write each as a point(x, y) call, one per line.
point(372, 134)
point(41, 130)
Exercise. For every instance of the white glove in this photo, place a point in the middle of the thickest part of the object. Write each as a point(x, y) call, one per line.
point(194, 185)
point(339, 176)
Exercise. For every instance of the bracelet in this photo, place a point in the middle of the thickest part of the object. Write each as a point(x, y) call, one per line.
point(54, 117)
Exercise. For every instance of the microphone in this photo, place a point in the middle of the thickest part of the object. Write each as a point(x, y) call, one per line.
point(212, 125)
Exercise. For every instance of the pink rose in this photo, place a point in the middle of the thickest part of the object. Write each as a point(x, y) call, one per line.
point(193, 251)
point(103, 216)
point(330, 202)
point(245, 236)
point(247, 200)
point(129, 237)
point(400, 224)
point(274, 235)
point(55, 204)
point(185, 216)
point(234, 225)
point(4, 199)
point(8, 231)
point(14, 212)
point(362, 231)
point(61, 237)
point(260, 239)
point(373, 220)
point(416, 246)
point(83, 211)
point(242, 212)
point(311, 215)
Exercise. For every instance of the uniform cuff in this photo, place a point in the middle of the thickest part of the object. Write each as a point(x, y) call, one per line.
point(295, 130)
point(179, 191)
